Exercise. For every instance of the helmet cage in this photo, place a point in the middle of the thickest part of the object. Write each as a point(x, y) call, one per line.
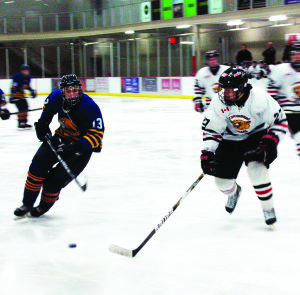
point(69, 97)
point(212, 59)
point(69, 85)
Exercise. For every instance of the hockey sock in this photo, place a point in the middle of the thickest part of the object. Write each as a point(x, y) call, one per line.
point(32, 188)
point(259, 177)
point(48, 199)
point(22, 117)
point(226, 186)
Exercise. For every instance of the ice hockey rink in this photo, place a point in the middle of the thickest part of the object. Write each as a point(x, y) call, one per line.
point(150, 157)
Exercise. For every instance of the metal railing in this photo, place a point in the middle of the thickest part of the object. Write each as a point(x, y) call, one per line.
point(106, 17)
point(80, 20)
point(154, 56)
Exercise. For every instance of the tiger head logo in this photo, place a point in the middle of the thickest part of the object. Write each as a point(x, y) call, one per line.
point(216, 88)
point(67, 127)
point(240, 124)
point(296, 90)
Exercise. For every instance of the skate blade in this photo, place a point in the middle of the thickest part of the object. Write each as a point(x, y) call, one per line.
point(22, 217)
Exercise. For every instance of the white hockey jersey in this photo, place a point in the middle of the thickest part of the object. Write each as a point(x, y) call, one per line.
point(252, 71)
point(284, 86)
point(260, 112)
point(207, 84)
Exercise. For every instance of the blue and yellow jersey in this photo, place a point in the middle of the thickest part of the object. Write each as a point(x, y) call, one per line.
point(81, 122)
point(19, 84)
point(2, 99)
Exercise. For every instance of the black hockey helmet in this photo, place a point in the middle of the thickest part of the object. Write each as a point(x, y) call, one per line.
point(69, 85)
point(295, 62)
point(25, 67)
point(69, 80)
point(235, 79)
point(211, 53)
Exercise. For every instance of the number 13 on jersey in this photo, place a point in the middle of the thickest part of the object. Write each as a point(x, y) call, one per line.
point(98, 124)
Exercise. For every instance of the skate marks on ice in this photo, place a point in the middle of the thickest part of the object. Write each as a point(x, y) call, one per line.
point(150, 155)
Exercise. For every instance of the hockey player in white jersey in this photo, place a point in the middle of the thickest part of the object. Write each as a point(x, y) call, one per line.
point(207, 81)
point(252, 70)
point(242, 124)
point(284, 86)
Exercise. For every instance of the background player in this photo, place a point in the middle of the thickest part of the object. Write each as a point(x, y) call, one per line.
point(207, 81)
point(284, 86)
point(242, 124)
point(79, 135)
point(4, 113)
point(20, 83)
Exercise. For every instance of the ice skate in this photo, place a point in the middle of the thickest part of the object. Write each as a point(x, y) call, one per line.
point(232, 200)
point(270, 217)
point(22, 211)
point(38, 211)
point(23, 126)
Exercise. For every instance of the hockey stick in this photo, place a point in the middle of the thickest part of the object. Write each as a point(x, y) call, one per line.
point(132, 253)
point(16, 113)
point(64, 164)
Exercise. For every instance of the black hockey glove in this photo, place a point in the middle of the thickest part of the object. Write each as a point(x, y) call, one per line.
point(208, 162)
point(266, 151)
point(42, 129)
point(33, 93)
point(199, 107)
point(69, 152)
point(4, 114)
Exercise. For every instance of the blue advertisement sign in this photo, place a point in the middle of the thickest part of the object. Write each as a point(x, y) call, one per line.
point(286, 2)
point(130, 85)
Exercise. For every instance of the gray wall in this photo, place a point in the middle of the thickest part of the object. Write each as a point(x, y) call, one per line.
point(255, 39)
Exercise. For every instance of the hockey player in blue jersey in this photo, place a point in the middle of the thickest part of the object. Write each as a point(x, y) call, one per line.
point(79, 135)
point(20, 83)
point(4, 113)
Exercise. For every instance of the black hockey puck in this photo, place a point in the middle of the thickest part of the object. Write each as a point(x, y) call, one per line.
point(72, 245)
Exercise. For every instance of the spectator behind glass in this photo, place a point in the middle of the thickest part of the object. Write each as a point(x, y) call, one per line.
point(243, 55)
point(286, 52)
point(269, 54)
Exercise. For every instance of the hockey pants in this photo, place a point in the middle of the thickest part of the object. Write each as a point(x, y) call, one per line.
point(43, 172)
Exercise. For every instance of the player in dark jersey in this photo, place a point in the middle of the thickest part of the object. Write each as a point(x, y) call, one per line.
point(4, 113)
point(20, 83)
point(79, 135)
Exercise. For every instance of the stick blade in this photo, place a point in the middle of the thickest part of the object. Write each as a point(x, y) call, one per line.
point(84, 187)
point(121, 251)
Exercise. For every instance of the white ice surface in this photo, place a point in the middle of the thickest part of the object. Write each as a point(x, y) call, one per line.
point(150, 158)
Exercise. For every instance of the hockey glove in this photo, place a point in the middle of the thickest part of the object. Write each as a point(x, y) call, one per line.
point(33, 93)
point(69, 152)
point(42, 129)
point(208, 162)
point(4, 114)
point(199, 107)
point(266, 151)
